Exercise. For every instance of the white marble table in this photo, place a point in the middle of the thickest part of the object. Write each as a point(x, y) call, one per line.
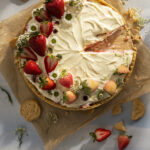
point(10, 118)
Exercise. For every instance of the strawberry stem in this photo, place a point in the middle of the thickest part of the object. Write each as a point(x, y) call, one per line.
point(130, 136)
point(93, 135)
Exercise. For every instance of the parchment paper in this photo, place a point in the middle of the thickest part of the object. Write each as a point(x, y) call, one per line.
point(67, 123)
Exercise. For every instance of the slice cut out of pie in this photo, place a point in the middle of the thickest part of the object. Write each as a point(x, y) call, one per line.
point(74, 54)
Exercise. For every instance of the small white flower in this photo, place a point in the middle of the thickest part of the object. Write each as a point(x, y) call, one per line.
point(53, 41)
point(56, 95)
point(33, 27)
point(33, 11)
point(68, 17)
point(54, 75)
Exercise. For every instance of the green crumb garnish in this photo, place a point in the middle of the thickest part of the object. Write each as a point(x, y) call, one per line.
point(119, 82)
point(56, 94)
point(50, 50)
point(33, 28)
point(76, 87)
point(115, 73)
point(53, 41)
point(85, 87)
point(77, 3)
point(49, 92)
point(68, 16)
point(65, 97)
point(100, 94)
point(59, 56)
point(63, 73)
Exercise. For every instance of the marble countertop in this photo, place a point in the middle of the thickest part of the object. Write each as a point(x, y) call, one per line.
point(10, 117)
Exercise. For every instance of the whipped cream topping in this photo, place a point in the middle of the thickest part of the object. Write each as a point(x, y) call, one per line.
point(86, 26)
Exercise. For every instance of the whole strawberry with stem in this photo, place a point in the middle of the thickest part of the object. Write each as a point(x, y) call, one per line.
point(46, 83)
point(38, 43)
point(41, 15)
point(55, 8)
point(123, 141)
point(66, 80)
point(46, 28)
point(32, 68)
point(100, 134)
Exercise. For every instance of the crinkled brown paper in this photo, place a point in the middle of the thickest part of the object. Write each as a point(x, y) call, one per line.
point(138, 84)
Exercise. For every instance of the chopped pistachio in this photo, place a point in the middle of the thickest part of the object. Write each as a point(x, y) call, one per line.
point(119, 82)
point(85, 87)
point(100, 94)
point(65, 98)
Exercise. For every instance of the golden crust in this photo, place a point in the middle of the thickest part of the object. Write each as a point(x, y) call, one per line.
point(97, 104)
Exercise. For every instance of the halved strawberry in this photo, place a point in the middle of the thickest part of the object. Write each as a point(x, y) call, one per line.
point(38, 44)
point(31, 67)
point(47, 83)
point(66, 81)
point(28, 54)
point(123, 141)
point(55, 7)
point(110, 87)
point(46, 28)
point(71, 97)
point(41, 15)
point(100, 134)
point(123, 69)
point(50, 63)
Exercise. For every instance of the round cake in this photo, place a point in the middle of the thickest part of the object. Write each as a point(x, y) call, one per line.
point(75, 54)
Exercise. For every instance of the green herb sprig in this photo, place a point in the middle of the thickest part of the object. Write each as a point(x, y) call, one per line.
point(85, 87)
point(20, 132)
point(8, 94)
point(65, 97)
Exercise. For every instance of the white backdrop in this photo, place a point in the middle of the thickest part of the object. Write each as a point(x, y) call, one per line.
point(10, 118)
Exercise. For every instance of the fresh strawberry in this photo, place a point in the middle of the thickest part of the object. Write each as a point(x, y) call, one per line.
point(71, 97)
point(38, 44)
point(100, 134)
point(55, 8)
point(47, 84)
point(50, 63)
point(110, 87)
point(46, 28)
point(31, 67)
point(28, 54)
point(66, 81)
point(41, 15)
point(123, 141)
point(123, 69)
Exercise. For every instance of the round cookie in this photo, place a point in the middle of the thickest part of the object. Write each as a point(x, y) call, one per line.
point(30, 110)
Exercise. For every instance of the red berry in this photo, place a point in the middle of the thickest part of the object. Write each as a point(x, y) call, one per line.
point(41, 15)
point(100, 134)
point(66, 81)
point(46, 28)
point(50, 63)
point(50, 84)
point(55, 8)
point(32, 68)
point(38, 44)
point(28, 54)
point(123, 141)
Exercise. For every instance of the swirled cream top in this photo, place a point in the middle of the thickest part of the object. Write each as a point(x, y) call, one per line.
point(86, 27)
